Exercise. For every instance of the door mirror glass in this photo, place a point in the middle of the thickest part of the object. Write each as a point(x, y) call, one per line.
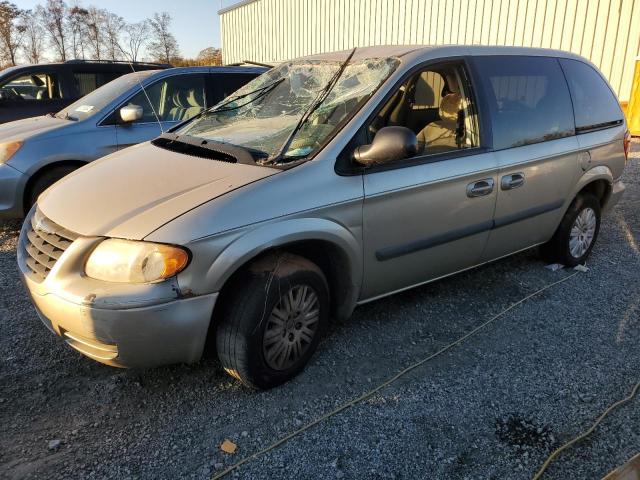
point(389, 144)
point(131, 113)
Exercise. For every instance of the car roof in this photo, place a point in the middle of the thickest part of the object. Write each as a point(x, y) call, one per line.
point(213, 69)
point(415, 51)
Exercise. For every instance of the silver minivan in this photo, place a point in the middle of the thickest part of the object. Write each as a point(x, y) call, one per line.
point(329, 181)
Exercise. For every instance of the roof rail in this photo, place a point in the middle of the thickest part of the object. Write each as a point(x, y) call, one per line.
point(249, 62)
point(125, 62)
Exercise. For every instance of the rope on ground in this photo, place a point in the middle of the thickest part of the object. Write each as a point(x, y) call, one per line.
point(388, 382)
point(585, 434)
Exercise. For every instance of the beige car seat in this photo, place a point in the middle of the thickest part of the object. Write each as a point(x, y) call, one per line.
point(195, 102)
point(179, 100)
point(442, 135)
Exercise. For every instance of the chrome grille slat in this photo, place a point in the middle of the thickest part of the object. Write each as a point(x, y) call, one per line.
point(44, 247)
point(44, 244)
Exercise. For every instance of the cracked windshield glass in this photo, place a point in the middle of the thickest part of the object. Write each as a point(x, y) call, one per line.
point(262, 115)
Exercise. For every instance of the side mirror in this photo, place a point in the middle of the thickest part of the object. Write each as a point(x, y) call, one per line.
point(389, 144)
point(3, 95)
point(131, 113)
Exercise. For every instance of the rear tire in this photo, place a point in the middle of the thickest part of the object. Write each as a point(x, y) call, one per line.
point(44, 181)
point(272, 324)
point(574, 239)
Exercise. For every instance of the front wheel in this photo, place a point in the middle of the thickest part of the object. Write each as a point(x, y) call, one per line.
point(271, 326)
point(574, 239)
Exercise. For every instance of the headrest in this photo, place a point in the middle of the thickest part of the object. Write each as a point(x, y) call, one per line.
point(450, 105)
point(452, 83)
point(195, 98)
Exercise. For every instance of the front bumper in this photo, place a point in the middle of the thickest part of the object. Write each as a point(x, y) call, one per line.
point(172, 332)
point(122, 325)
point(11, 191)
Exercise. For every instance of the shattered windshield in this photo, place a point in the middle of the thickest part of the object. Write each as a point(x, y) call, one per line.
point(261, 115)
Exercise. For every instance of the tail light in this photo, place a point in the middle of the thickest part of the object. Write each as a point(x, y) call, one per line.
point(627, 145)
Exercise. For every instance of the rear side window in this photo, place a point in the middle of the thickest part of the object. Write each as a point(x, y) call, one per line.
point(594, 104)
point(87, 82)
point(528, 99)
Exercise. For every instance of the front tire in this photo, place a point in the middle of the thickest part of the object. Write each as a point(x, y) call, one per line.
point(271, 326)
point(574, 239)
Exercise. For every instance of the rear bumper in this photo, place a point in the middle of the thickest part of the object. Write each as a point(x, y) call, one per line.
point(616, 194)
point(11, 187)
point(173, 332)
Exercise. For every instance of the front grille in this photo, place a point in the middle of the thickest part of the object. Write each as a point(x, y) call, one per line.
point(43, 244)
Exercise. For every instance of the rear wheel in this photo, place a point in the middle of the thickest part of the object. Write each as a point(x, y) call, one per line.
point(44, 181)
point(271, 327)
point(575, 237)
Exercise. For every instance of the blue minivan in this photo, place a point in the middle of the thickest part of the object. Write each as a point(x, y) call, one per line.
point(37, 152)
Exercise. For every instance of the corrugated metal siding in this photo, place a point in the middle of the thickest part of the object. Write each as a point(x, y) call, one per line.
point(605, 31)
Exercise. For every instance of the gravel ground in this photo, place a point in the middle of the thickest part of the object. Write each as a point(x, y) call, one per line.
point(494, 407)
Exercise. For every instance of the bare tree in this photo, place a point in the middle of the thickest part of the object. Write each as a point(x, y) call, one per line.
point(94, 23)
point(135, 36)
point(113, 27)
point(33, 46)
point(164, 46)
point(53, 17)
point(77, 26)
point(11, 32)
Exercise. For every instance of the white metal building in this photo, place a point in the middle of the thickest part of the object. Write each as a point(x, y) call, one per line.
point(605, 31)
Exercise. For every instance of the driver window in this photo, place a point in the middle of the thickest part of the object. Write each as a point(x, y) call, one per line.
point(174, 99)
point(435, 105)
point(33, 86)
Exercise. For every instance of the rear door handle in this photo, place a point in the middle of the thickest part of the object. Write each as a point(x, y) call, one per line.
point(480, 188)
point(509, 182)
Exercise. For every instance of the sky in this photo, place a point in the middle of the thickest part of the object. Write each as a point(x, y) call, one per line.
point(196, 24)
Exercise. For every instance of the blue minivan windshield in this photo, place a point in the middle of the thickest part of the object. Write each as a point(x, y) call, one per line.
point(94, 102)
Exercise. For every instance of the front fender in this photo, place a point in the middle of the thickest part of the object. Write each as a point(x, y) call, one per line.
point(278, 234)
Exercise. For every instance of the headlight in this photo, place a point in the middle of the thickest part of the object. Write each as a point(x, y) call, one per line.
point(125, 261)
point(7, 150)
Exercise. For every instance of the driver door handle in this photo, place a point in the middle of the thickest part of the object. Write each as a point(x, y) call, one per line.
point(514, 180)
point(480, 188)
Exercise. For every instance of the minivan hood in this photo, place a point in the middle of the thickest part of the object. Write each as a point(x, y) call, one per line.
point(29, 127)
point(131, 193)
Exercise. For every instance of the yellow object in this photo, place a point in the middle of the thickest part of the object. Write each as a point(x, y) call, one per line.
point(228, 446)
point(633, 109)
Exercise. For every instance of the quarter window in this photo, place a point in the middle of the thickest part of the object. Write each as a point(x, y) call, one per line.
point(435, 104)
point(528, 99)
point(594, 103)
point(173, 99)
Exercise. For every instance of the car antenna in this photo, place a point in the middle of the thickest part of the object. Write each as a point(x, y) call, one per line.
point(144, 90)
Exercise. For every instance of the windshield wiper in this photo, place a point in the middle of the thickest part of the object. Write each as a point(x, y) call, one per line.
point(220, 108)
point(65, 117)
point(322, 96)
